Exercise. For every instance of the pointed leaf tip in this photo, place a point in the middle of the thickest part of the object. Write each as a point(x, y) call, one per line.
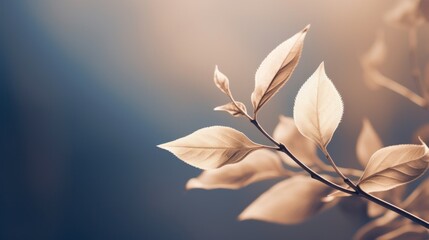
point(161, 146)
point(221, 81)
point(212, 147)
point(306, 28)
point(276, 69)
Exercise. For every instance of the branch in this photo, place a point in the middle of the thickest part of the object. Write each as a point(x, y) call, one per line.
point(388, 83)
point(357, 191)
point(392, 207)
point(345, 179)
point(312, 173)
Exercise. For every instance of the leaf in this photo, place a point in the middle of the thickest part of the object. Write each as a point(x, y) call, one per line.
point(417, 203)
point(407, 13)
point(291, 201)
point(276, 69)
point(221, 81)
point(392, 196)
point(406, 232)
point(318, 108)
point(424, 9)
point(257, 166)
point(287, 133)
point(393, 166)
point(368, 143)
point(232, 109)
point(212, 147)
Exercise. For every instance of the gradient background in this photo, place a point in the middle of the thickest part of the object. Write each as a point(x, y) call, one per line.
point(88, 88)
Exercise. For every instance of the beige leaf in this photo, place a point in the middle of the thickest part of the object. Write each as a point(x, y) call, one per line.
point(212, 147)
point(257, 166)
point(291, 201)
point(318, 108)
point(406, 232)
point(379, 226)
point(417, 203)
point(424, 9)
point(406, 13)
point(368, 143)
point(304, 149)
point(221, 81)
point(276, 69)
point(393, 166)
point(392, 196)
point(232, 109)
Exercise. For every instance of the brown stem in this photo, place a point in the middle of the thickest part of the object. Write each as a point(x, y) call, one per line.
point(392, 207)
point(236, 105)
point(357, 191)
point(312, 173)
point(388, 83)
point(334, 166)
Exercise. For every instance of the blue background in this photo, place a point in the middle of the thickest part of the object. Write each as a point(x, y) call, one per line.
point(89, 88)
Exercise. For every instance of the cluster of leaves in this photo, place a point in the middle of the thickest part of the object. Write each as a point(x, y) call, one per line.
point(409, 15)
point(230, 160)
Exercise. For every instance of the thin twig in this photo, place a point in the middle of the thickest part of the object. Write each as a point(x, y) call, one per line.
point(388, 83)
point(357, 191)
point(262, 130)
point(392, 207)
point(235, 104)
point(334, 166)
point(312, 173)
